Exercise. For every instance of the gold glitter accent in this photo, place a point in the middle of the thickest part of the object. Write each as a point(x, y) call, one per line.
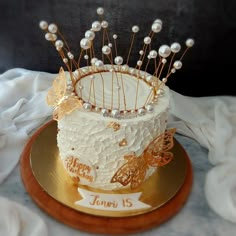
point(123, 142)
point(115, 126)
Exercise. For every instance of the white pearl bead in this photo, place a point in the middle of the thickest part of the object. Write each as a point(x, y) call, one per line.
point(104, 111)
point(104, 24)
point(156, 27)
point(164, 51)
point(115, 112)
point(132, 71)
point(89, 35)
point(158, 21)
point(100, 11)
point(160, 92)
point(110, 45)
point(93, 60)
point(115, 36)
point(65, 60)
point(149, 108)
point(149, 57)
point(164, 80)
point(141, 111)
point(97, 109)
point(173, 70)
point(139, 62)
point(52, 28)
point(150, 78)
point(70, 55)
point(85, 43)
point(106, 50)
point(164, 61)
point(189, 43)
point(118, 60)
point(87, 106)
point(59, 43)
point(76, 72)
point(147, 40)
point(125, 67)
point(48, 36)
point(96, 26)
point(86, 57)
point(153, 53)
point(141, 52)
point(135, 29)
point(43, 25)
point(175, 47)
point(58, 48)
point(99, 63)
point(177, 65)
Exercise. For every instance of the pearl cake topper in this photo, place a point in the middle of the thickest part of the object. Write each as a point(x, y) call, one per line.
point(102, 86)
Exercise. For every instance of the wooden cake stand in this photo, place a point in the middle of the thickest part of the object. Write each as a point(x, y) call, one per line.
point(100, 224)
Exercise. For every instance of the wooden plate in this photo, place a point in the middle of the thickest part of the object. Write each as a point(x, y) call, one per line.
point(100, 224)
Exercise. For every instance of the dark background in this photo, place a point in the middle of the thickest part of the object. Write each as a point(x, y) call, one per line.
point(208, 68)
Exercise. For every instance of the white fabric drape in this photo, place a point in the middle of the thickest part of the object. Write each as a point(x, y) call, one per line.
point(209, 120)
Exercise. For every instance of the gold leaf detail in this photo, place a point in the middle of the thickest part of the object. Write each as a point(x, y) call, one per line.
point(115, 126)
point(123, 142)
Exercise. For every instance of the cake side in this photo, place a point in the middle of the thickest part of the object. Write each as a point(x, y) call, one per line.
point(100, 143)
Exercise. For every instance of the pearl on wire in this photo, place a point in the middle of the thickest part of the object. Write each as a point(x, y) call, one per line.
point(104, 24)
point(70, 55)
point(96, 26)
point(52, 28)
point(93, 60)
point(65, 60)
point(156, 27)
point(59, 43)
point(85, 43)
point(147, 40)
point(164, 51)
point(189, 42)
point(43, 25)
point(50, 37)
point(153, 54)
point(141, 52)
point(118, 60)
point(135, 29)
point(86, 57)
point(177, 65)
point(139, 62)
point(89, 34)
point(175, 47)
point(159, 21)
point(99, 64)
point(110, 45)
point(114, 36)
point(106, 50)
point(100, 11)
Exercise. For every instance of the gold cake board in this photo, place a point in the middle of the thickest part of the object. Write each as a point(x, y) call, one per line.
point(96, 223)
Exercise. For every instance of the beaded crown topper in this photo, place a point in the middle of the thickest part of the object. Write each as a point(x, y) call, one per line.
point(64, 93)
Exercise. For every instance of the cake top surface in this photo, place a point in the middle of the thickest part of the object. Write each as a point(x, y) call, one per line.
point(108, 85)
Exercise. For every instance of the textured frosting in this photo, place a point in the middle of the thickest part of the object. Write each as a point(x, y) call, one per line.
point(86, 135)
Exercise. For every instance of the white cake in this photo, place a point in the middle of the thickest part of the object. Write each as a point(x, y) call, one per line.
point(97, 144)
point(112, 118)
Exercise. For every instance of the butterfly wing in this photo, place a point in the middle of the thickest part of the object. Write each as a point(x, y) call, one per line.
point(66, 106)
point(58, 89)
point(139, 176)
point(157, 153)
point(125, 173)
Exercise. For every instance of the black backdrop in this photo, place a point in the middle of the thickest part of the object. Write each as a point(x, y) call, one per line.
point(208, 68)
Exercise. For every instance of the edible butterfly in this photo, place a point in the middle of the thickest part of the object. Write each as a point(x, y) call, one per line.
point(156, 154)
point(57, 97)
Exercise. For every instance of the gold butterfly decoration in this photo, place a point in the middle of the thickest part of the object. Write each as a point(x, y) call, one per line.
point(156, 154)
point(57, 97)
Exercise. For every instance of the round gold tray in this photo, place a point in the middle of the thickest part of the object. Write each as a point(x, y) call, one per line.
point(51, 188)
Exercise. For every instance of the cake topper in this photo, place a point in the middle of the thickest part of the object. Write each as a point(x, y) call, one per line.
point(114, 103)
